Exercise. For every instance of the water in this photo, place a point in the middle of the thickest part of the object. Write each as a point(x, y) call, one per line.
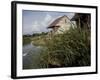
point(31, 58)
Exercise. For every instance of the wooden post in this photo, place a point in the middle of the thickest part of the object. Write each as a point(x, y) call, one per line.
point(79, 23)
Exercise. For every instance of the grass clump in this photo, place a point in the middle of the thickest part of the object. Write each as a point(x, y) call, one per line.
point(26, 40)
point(68, 50)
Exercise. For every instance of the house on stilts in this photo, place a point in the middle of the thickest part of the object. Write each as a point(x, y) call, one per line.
point(83, 20)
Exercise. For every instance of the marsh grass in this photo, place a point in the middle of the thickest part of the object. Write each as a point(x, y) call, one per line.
point(26, 40)
point(67, 50)
point(39, 40)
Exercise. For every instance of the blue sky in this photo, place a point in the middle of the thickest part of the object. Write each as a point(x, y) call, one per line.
point(38, 21)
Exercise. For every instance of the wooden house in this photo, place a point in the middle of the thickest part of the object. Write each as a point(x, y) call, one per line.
point(83, 20)
point(60, 25)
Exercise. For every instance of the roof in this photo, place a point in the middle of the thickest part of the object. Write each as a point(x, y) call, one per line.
point(55, 22)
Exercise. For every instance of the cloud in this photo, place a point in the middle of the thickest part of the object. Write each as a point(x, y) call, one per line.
point(36, 27)
point(46, 20)
point(40, 26)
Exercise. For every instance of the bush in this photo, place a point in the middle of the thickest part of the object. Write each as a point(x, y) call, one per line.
point(68, 50)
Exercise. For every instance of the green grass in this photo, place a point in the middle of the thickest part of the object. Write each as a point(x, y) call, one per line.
point(26, 40)
point(67, 50)
point(38, 40)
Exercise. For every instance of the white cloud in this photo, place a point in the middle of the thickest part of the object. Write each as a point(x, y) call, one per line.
point(36, 27)
point(41, 25)
point(46, 20)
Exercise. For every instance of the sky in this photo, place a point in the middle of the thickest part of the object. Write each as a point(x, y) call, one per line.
point(38, 21)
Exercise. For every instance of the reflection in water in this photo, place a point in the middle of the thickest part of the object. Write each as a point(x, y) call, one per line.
point(31, 58)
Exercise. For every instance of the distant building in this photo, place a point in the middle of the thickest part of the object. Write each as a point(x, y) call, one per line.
point(60, 25)
point(83, 20)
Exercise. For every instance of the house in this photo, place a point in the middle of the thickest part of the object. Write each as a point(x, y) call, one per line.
point(83, 20)
point(60, 25)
